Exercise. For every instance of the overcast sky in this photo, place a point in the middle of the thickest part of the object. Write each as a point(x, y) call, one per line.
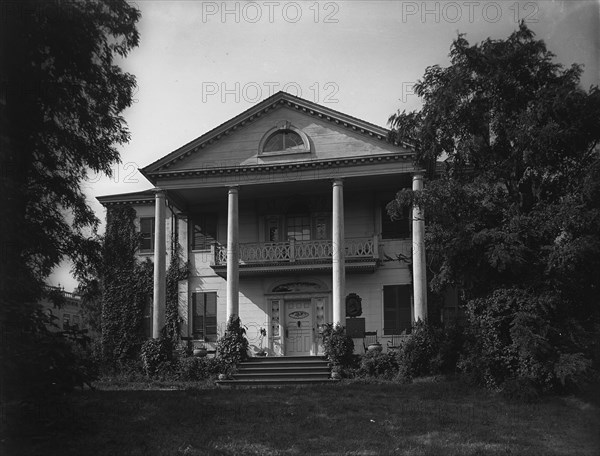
point(200, 63)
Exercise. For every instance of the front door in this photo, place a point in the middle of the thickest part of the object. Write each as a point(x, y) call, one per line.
point(299, 327)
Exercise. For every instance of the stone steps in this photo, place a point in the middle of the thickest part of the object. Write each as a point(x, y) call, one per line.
point(281, 370)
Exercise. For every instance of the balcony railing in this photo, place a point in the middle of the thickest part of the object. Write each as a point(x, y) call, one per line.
point(292, 251)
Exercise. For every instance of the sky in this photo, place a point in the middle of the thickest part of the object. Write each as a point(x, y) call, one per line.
point(200, 63)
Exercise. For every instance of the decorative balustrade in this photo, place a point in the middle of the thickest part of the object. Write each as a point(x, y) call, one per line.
point(291, 251)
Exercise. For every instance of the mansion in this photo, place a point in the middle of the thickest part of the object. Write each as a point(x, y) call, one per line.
point(280, 213)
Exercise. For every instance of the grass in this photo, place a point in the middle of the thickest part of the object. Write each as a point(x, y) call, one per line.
point(435, 418)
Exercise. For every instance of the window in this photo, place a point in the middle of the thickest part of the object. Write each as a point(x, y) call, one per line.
point(321, 228)
point(204, 232)
point(298, 227)
point(76, 321)
point(272, 229)
point(284, 141)
point(397, 306)
point(147, 234)
point(394, 229)
point(204, 316)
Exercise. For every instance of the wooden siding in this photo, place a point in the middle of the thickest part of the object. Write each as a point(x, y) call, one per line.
point(329, 140)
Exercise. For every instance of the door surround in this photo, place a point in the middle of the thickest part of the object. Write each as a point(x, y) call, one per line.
point(306, 290)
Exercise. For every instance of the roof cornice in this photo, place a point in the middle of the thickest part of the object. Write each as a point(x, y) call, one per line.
point(285, 167)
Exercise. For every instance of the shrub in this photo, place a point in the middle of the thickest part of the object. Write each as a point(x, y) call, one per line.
point(157, 356)
point(232, 348)
point(516, 334)
point(378, 364)
point(337, 345)
point(193, 369)
point(421, 354)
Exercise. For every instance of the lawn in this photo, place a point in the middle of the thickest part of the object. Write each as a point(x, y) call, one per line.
point(426, 418)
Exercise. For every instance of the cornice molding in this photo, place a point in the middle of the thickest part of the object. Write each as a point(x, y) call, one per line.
point(286, 167)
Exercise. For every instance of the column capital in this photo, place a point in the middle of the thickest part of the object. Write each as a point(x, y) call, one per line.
point(336, 181)
point(418, 174)
point(159, 192)
point(233, 189)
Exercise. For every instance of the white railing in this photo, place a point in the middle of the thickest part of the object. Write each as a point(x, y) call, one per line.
point(291, 251)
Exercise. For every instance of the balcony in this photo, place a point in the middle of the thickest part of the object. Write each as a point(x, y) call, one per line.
point(297, 256)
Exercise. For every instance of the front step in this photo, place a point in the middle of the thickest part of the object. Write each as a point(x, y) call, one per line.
point(281, 370)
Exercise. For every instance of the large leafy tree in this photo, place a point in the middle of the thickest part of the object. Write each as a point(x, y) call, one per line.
point(513, 218)
point(61, 118)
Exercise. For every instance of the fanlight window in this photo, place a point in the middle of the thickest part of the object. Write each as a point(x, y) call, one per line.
point(284, 140)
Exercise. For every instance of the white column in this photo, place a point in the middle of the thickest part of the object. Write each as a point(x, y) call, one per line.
point(339, 253)
point(160, 263)
point(233, 254)
point(418, 254)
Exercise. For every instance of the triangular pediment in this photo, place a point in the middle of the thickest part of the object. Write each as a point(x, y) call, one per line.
point(238, 142)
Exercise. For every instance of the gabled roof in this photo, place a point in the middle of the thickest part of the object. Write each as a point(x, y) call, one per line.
point(275, 101)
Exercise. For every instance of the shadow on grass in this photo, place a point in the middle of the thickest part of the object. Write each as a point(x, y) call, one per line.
point(447, 418)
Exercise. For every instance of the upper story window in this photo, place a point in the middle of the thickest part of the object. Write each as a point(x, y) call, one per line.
point(299, 225)
point(147, 234)
point(284, 139)
point(204, 232)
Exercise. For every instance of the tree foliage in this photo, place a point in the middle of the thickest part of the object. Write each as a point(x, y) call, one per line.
point(63, 96)
point(514, 219)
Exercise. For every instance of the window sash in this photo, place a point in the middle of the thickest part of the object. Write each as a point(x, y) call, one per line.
point(147, 234)
point(286, 140)
point(301, 227)
point(397, 315)
point(204, 231)
point(204, 316)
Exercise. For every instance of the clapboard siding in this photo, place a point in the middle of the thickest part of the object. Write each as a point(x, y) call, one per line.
point(240, 147)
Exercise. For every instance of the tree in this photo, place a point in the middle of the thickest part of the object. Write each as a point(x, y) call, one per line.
point(514, 219)
point(61, 118)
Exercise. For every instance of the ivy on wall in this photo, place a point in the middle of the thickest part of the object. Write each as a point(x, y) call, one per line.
point(176, 272)
point(127, 287)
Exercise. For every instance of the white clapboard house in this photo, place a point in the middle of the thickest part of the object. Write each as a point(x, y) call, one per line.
point(280, 212)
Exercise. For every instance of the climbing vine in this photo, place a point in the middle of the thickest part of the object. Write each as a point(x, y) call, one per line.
point(176, 272)
point(126, 286)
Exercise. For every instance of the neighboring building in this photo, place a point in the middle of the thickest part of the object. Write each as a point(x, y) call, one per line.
point(281, 213)
point(66, 316)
